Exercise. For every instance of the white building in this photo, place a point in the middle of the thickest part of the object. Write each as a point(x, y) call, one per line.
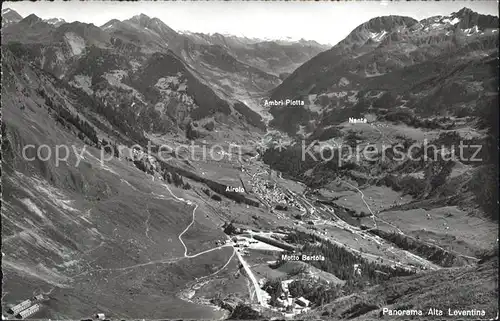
point(303, 302)
point(29, 311)
point(21, 306)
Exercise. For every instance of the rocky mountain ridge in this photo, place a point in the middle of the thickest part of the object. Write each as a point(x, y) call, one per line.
point(85, 55)
point(256, 52)
point(392, 56)
point(9, 17)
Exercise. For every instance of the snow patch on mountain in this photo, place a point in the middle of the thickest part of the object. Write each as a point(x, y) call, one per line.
point(438, 23)
point(471, 31)
point(55, 21)
point(378, 36)
point(109, 26)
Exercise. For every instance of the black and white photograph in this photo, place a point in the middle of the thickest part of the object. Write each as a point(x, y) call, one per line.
point(249, 160)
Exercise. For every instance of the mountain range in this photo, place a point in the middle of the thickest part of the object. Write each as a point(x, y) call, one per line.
point(9, 17)
point(395, 62)
point(219, 68)
point(148, 233)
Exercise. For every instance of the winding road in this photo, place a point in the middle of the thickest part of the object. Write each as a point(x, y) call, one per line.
point(174, 259)
point(188, 202)
point(245, 265)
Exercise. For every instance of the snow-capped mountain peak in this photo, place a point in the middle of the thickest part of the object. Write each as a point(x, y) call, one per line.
point(55, 21)
point(9, 17)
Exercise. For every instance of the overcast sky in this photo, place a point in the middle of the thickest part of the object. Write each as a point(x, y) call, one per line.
point(325, 22)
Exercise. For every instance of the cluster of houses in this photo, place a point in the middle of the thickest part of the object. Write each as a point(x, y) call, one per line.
point(242, 244)
point(272, 194)
point(242, 241)
point(290, 306)
point(255, 237)
point(26, 308)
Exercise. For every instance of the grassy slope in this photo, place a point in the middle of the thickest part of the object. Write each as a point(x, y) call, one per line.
point(93, 235)
point(456, 288)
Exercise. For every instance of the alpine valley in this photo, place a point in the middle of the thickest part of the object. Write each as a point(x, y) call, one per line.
point(243, 216)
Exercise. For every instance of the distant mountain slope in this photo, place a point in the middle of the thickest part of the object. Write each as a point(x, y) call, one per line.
point(230, 78)
point(239, 70)
point(9, 17)
point(272, 56)
point(30, 29)
point(255, 66)
point(415, 83)
point(394, 56)
point(55, 21)
point(149, 34)
point(113, 65)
